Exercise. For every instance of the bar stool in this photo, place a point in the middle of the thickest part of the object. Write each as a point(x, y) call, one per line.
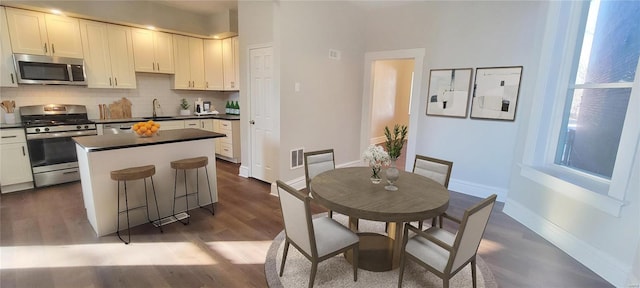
point(184, 165)
point(129, 174)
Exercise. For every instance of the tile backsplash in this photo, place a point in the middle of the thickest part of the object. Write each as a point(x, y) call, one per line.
point(149, 86)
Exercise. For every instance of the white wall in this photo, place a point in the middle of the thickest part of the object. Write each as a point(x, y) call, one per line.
point(326, 111)
point(466, 34)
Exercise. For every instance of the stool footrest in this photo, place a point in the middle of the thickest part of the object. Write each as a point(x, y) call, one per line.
point(134, 208)
point(170, 219)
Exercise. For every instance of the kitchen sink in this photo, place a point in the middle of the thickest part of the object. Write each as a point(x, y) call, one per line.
point(158, 117)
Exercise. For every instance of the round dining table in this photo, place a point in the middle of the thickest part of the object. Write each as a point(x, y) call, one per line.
point(350, 191)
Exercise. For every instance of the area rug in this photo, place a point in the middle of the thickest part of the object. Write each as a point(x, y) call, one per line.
point(337, 272)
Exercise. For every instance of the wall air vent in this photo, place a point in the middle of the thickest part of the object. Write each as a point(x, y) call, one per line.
point(335, 54)
point(297, 158)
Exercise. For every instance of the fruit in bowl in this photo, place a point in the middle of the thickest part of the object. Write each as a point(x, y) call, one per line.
point(146, 129)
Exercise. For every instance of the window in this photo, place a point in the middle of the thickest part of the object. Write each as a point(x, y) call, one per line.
point(584, 124)
point(600, 88)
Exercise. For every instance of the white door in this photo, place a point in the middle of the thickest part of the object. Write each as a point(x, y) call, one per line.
point(264, 143)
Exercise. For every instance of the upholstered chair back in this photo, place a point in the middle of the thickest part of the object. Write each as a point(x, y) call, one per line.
point(471, 230)
point(433, 168)
point(297, 218)
point(317, 162)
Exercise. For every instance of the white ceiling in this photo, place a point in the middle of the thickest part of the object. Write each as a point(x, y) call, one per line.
point(203, 7)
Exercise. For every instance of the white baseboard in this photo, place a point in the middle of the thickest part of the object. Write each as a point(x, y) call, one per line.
point(478, 190)
point(376, 140)
point(244, 171)
point(599, 262)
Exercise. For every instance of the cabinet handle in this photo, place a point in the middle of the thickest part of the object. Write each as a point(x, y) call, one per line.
point(12, 79)
point(158, 66)
point(53, 49)
point(154, 65)
point(207, 83)
point(110, 82)
point(70, 172)
point(23, 153)
point(116, 78)
point(12, 136)
point(45, 48)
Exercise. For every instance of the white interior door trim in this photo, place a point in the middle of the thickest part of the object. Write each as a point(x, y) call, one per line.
point(367, 97)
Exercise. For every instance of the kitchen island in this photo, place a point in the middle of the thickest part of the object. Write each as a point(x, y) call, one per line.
point(99, 155)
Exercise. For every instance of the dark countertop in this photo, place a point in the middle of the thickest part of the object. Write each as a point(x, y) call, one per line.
point(190, 117)
point(10, 126)
point(128, 140)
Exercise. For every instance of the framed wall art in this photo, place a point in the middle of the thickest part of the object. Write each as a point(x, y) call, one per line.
point(449, 91)
point(495, 93)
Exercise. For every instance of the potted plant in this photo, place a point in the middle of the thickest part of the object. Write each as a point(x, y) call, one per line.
point(184, 108)
point(394, 144)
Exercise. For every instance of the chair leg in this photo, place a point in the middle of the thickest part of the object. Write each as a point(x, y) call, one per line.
point(433, 222)
point(420, 225)
point(284, 256)
point(473, 273)
point(186, 197)
point(330, 213)
point(155, 198)
point(403, 259)
point(440, 219)
point(356, 254)
point(312, 277)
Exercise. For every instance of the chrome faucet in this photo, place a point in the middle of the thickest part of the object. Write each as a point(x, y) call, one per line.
point(155, 104)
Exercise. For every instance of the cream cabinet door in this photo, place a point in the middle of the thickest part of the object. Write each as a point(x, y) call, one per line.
point(171, 125)
point(64, 36)
point(214, 79)
point(44, 34)
point(108, 55)
point(7, 70)
point(15, 167)
point(228, 65)
point(143, 50)
point(235, 45)
point(163, 51)
point(152, 51)
point(96, 54)
point(28, 32)
point(121, 52)
point(196, 60)
point(189, 67)
point(182, 76)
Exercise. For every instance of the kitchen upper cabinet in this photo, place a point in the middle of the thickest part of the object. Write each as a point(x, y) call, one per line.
point(230, 63)
point(108, 51)
point(152, 51)
point(189, 56)
point(15, 168)
point(43, 34)
point(7, 70)
point(213, 73)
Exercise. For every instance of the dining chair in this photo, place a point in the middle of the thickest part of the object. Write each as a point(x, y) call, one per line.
point(316, 162)
point(317, 238)
point(444, 253)
point(435, 169)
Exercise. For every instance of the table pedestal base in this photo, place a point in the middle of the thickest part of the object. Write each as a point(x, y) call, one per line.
point(376, 253)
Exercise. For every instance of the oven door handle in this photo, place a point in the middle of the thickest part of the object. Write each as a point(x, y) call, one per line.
point(61, 134)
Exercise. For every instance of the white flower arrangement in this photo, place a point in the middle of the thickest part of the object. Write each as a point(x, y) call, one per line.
point(375, 156)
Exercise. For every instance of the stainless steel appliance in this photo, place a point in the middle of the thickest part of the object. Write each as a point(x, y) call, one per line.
point(52, 152)
point(117, 128)
point(37, 69)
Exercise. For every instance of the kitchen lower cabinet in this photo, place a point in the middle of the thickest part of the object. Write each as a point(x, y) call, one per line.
point(15, 168)
point(228, 148)
point(204, 124)
point(171, 125)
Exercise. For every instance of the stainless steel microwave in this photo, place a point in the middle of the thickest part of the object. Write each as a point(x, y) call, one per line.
point(38, 69)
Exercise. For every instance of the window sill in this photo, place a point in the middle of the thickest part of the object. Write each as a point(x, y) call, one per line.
point(590, 192)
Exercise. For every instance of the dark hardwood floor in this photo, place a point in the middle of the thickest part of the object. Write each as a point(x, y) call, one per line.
point(46, 241)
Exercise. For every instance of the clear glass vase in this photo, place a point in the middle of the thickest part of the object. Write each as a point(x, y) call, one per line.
point(392, 174)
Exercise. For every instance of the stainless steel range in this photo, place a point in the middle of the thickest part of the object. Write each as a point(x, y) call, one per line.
point(52, 152)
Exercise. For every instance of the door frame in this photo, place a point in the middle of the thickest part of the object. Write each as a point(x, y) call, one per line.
point(247, 166)
point(367, 96)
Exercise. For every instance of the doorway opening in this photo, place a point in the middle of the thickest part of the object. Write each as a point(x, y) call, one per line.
point(392, 81)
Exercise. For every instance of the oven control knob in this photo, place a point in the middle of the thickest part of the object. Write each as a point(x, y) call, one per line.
point(46, 129)
point(78, 127)
point(86, 126)
point(37, 129)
